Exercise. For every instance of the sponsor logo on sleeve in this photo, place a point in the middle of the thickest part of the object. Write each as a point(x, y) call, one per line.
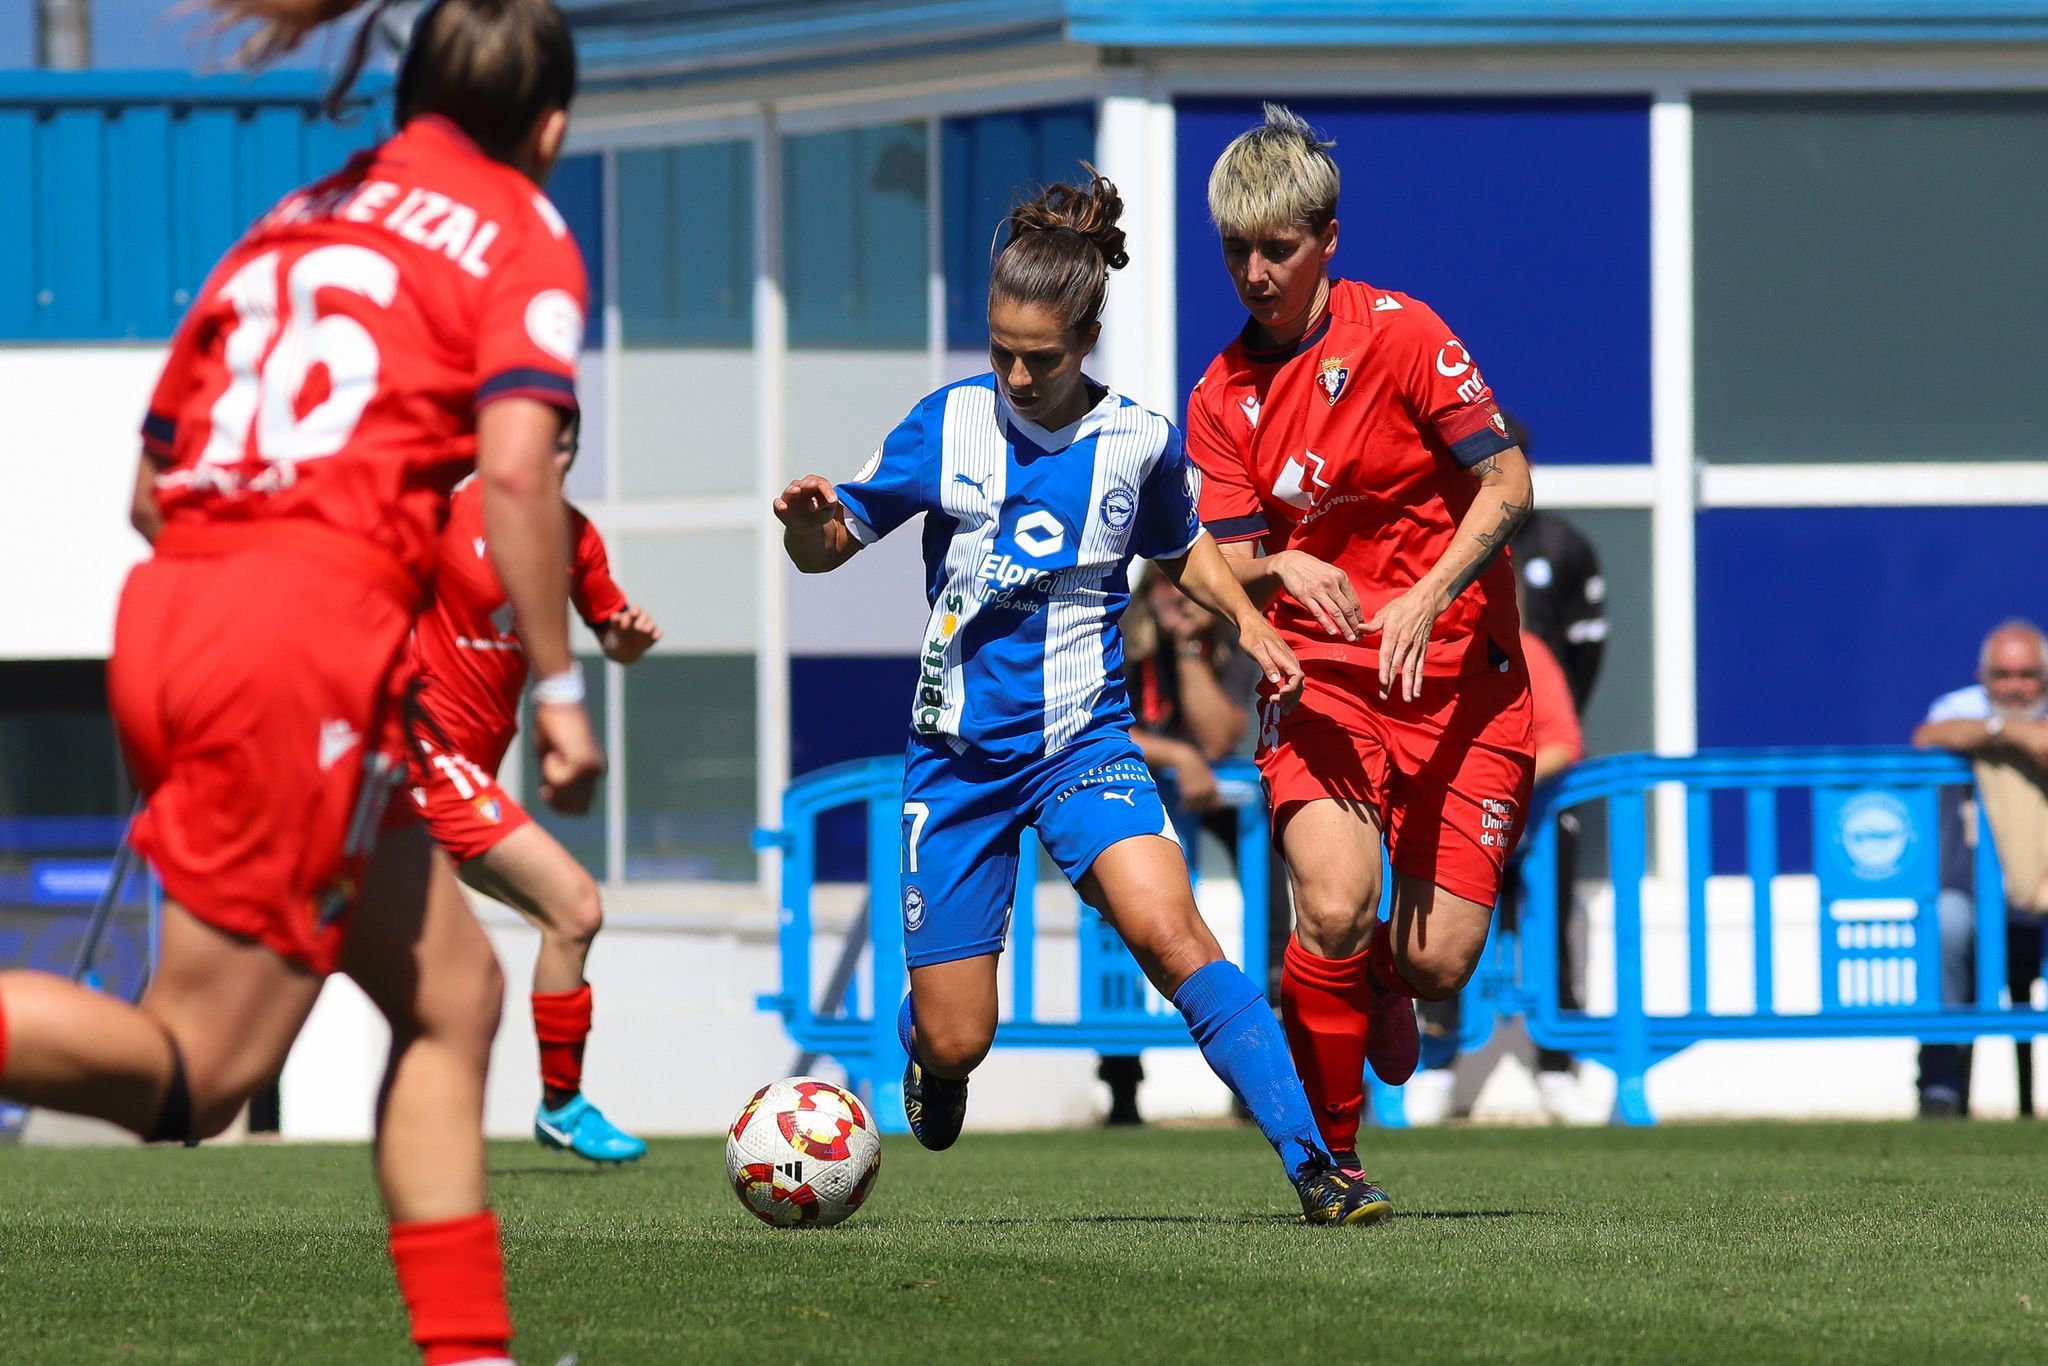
point(555, 323)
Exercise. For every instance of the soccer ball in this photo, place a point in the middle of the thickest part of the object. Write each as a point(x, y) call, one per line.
point(803, 1153)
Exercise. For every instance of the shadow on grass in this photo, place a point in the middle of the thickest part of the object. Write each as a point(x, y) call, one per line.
point(1212, 1220)
point(581, 1171)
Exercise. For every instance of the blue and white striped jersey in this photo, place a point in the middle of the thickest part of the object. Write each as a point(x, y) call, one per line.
point(1028, 540)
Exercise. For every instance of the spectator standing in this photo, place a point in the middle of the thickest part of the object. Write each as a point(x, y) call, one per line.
point(1998, 723)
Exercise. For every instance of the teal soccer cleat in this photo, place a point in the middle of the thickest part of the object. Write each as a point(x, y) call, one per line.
point(580, 1128)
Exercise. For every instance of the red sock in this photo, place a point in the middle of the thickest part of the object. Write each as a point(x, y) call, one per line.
point(1322, 1003)
point(1386, 973)
point(561, 1021)
point(452, 1276)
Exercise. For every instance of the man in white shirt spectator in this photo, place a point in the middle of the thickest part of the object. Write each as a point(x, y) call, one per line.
point(1999, 724)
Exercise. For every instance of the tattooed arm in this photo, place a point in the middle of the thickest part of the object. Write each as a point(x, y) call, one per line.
point(1503, 504)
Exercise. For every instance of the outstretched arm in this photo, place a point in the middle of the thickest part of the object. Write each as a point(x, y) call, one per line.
point(1204, 575)
point(814, 531)
point(1504, 502)
point(629, 635)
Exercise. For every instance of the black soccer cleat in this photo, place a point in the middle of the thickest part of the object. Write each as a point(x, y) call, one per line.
point(935, 1106)
point(1332, 1196)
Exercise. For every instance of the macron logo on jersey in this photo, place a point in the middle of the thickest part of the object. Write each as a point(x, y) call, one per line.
point(337, 738)
point(1386, 303)
point(1251, 411)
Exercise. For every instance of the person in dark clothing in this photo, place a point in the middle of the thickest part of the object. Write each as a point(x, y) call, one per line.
point(1564, 597)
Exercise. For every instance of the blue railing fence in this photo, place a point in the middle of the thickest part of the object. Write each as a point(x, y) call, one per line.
point(1865, 825)
point(1876, 836)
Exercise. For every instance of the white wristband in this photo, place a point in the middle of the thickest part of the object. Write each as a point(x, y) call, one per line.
point(564, 687)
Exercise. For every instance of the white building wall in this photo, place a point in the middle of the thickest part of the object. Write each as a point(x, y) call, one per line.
point(68, 459)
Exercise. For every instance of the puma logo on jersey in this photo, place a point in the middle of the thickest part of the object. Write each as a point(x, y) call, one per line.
point(1301, 484)
point(975, 484)
point(337, 738)
point(1110, 794)
point(1251, 411)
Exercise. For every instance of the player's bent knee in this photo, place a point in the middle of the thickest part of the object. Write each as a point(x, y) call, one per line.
point(955, 1050)
point(1334, 919)
point(583, 913)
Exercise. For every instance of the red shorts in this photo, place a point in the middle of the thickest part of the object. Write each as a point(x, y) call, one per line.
point(1448, 775)
point(467, 813)
point(257, 684)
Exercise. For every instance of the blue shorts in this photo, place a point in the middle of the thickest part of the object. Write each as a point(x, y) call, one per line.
point(962, 818)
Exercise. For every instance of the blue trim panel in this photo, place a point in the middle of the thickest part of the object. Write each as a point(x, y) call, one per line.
point(1478, 446)
point(545, 385)
point(1237, 528)
point(688, 39)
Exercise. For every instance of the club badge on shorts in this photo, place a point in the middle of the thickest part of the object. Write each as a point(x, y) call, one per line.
point(1332, 378)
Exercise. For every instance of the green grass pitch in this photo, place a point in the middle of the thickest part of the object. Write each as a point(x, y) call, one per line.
point(1879, 1242)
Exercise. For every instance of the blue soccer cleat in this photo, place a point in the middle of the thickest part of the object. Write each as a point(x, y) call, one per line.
point(580, 1128)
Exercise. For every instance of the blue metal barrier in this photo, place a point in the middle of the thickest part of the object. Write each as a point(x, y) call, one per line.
point(1876, 859)
point(1119, 1012)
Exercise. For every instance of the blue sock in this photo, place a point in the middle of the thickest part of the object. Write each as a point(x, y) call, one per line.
point(904, 1023)
point(1242, 1043)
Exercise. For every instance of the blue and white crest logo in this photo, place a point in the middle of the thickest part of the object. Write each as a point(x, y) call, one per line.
point(913, 907)
point(1875, 830)
point(1118, 507)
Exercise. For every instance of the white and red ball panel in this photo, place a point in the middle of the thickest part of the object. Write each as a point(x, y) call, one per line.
point(803, 1153)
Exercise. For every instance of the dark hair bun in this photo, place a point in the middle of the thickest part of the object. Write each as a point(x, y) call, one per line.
point(1091, 210)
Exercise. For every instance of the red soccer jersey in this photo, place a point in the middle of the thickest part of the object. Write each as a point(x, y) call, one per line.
point(471, 665)
point(1352, 446)
point(333, 365)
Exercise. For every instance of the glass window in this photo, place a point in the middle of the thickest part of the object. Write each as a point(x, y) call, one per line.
point(1865, 275)
point(991, 162)
point(690, 767)
point(584, 835)
point(686, 245)
point(855, 241)
point(686, 376)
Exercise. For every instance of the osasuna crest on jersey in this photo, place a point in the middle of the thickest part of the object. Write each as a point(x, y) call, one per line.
point(1332, 377)
point(1028, 539)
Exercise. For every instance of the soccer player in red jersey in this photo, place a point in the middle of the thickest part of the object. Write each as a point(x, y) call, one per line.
point(472, 670)
point(1361, 480)
point(365, 345)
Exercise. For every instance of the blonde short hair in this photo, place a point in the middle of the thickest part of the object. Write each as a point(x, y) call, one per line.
point(1276, 176)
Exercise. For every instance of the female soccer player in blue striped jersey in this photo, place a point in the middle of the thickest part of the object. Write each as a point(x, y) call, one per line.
point(1038, 486)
